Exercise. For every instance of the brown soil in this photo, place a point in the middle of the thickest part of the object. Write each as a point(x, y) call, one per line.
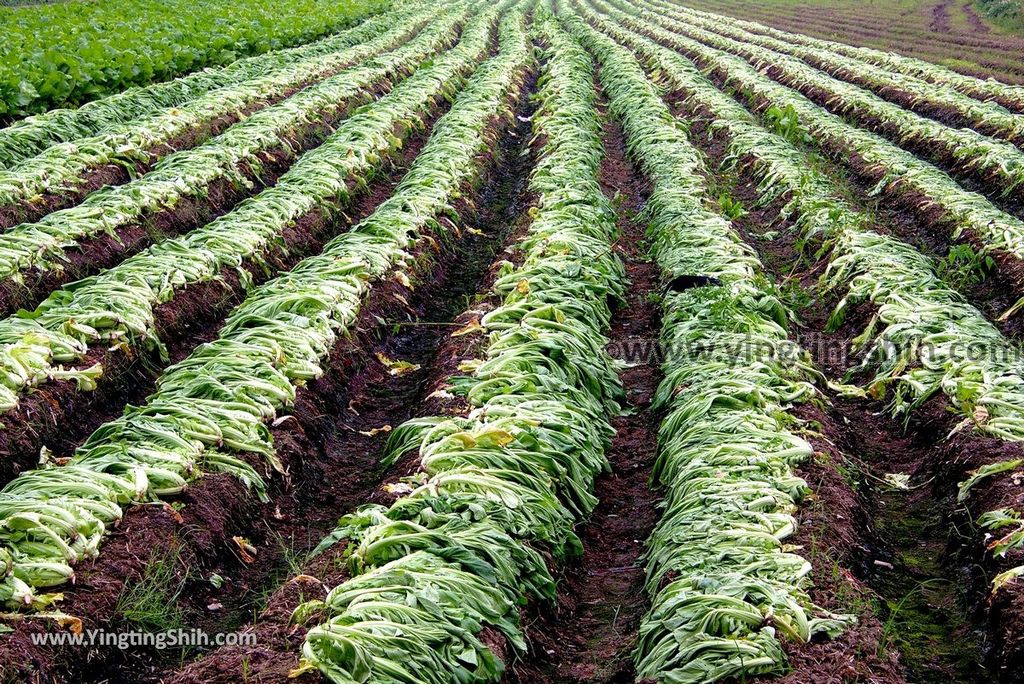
point(977, 25)
point(590, 635)
point(831, 529)
point(940, 16)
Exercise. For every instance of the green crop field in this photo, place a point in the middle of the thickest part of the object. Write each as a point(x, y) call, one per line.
point(526, 341)
point(67, 53)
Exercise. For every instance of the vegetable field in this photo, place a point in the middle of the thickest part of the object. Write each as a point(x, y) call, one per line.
point(527, 341)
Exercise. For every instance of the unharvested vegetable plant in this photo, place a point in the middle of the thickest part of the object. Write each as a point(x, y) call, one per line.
point(67, 53)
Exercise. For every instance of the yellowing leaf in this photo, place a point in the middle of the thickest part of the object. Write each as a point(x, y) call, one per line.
point(375, 431)
point(245, 549)
point(1002, 579)
point(470, 327)
point(468, 441)
point(397, 368)
point(499, 437)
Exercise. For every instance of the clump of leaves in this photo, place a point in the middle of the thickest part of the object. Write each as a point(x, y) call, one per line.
point(964, 266)
point(731, 206)
point(786, 122)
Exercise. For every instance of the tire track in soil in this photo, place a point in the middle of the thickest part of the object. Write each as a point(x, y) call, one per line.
point(940, 17)
point(977, 25)
point(591, 634)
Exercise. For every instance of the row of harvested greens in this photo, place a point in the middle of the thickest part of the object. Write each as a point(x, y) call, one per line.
point(924, 339)
point(212, 410)
point(117, 305)
point(500, 488)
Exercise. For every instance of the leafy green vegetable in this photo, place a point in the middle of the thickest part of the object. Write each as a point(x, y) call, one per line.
point(70, 53)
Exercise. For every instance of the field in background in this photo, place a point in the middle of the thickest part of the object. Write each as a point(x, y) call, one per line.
point(954, 33)
point(65, 54)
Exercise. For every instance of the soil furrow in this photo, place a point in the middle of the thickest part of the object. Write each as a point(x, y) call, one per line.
point(591, 634)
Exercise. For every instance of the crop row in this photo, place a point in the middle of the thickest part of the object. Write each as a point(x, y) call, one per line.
point(985, 116)
point(924, 339)
point(917, 312)
point(897, 171)
point(117, 305)
point(996, 161)
point(1011, 96)
point(461, 548)
point(69, 53)
point(723, 587)
point(28, 137)
point(919, 342)
point(64, 166)
point(210, 412)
